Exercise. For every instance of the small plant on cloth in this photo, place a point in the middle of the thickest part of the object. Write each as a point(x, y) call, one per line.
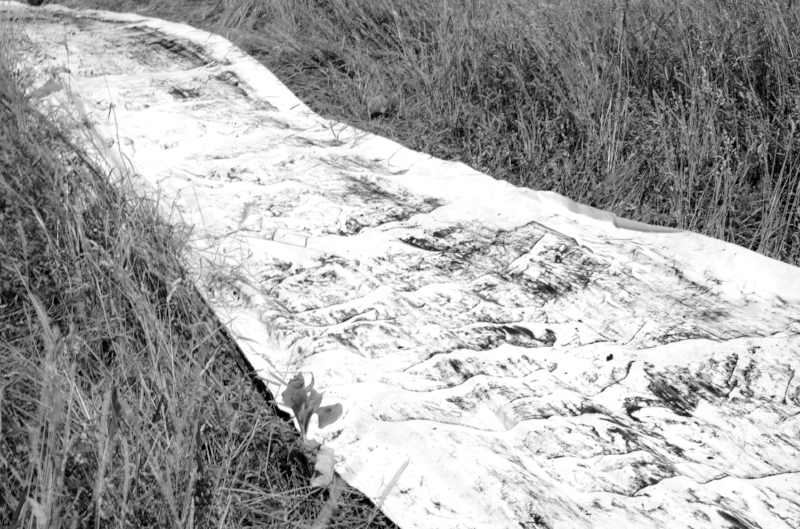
point(305, 401)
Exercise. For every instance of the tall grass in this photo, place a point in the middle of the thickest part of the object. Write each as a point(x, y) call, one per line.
point(123, 402)
point(673, 112)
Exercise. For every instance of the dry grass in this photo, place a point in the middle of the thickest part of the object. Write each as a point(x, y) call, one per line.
point(123, 402)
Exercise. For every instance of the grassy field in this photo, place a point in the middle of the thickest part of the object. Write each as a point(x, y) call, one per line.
point(122, 400)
